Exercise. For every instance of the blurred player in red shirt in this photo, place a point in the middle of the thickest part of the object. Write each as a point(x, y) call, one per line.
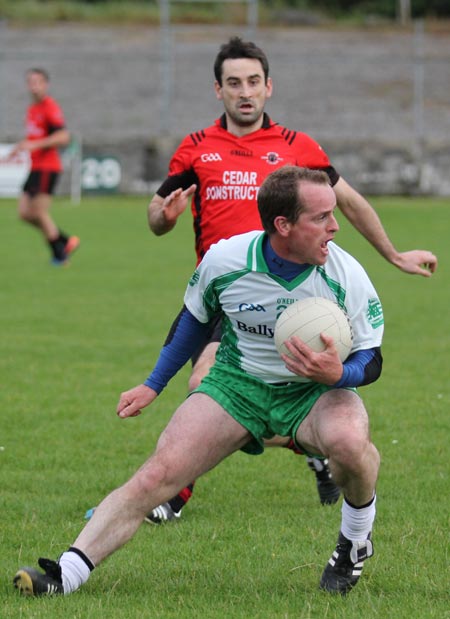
point(45, 133)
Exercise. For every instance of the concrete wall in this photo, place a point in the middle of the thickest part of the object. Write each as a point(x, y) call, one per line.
point(372, 167)
point(377, 100)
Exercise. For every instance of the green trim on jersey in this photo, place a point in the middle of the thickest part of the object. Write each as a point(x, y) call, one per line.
point(255, 257)
point(229, 349)
point(294, 283)
point(218, 285)
point(257, 262)
point(336, 288)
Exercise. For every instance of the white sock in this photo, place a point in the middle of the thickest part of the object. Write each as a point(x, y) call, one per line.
point(75, 570)
point(357, 522)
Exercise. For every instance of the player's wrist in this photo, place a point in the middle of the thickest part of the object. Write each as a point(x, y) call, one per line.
point(168, 219)
point(395, 258)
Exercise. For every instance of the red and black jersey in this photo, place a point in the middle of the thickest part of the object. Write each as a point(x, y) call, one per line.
point(228, 171)
point(42, 119)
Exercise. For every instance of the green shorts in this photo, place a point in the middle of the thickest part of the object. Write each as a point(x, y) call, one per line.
point(263, 409)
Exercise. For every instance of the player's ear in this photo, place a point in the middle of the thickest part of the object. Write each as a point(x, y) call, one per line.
point(218, 89)
point(282, 225)
point(269, 88)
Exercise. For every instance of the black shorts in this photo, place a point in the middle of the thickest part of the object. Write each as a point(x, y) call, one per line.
point(40, 181)
point(214, 334)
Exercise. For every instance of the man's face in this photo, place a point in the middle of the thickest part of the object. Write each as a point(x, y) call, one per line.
point(243, 92)
point(307, 239)
point(37, 86)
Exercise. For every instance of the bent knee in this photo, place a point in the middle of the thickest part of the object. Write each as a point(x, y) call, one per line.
point(352, 450)
point(156, 474)
point(26, 216)
point(146, 480)
point(194, 381)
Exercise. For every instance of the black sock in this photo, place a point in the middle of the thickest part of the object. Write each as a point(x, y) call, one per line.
point(179, 501)
point(58, 245)
point(63, 236)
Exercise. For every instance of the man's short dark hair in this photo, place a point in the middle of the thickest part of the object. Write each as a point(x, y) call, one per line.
point(279, 194)
point(237, 48)
point(40, 71)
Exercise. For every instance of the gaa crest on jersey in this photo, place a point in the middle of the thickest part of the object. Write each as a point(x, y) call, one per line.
point(195, 278)
point(251, 307)
point(272, 158)
point(375, 313)
point(210, 157)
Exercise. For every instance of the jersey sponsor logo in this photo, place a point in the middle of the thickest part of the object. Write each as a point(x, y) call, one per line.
point(237, 185)
point(34, 131)
point(263, 330)
point(238, 177)
point(375, 313)
point(219, 192)
point(251, 307)
point(282, 305)
point(272, 158)
point(210, 157)
point(241, 153)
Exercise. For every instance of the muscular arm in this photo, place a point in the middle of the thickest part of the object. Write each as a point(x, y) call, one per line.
point(60, 137)
point(179, 347)
point(364, 218)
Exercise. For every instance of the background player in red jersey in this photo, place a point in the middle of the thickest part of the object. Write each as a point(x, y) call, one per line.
point(221, 168)
point(45, 133)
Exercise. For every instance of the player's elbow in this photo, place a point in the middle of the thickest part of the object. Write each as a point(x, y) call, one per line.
point(157, 221)
point(372, 371)
point(155, 227)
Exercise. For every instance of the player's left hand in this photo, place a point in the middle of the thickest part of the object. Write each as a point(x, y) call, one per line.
point(176, 203)
point(11, 154)
point(417, 262)
point(22, 146)
point(132, 402)
point(322, 367)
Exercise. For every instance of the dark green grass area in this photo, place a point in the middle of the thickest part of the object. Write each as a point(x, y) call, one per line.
point(253, 541)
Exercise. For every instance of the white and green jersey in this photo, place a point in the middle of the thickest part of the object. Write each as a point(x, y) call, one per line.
point(234, 279)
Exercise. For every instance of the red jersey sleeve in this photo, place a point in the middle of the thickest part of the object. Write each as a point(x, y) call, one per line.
point(43, 119)
point(54, 115)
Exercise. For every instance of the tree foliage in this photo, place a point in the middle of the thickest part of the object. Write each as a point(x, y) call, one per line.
point(383, 8)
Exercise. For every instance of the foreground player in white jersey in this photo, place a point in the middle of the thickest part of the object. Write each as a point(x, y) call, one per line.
point(252, 393)
point(222, 166)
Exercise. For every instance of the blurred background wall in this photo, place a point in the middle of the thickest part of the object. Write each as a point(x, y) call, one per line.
point(376, 98)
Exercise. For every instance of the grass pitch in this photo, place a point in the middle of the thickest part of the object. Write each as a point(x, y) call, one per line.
point(254, 540)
